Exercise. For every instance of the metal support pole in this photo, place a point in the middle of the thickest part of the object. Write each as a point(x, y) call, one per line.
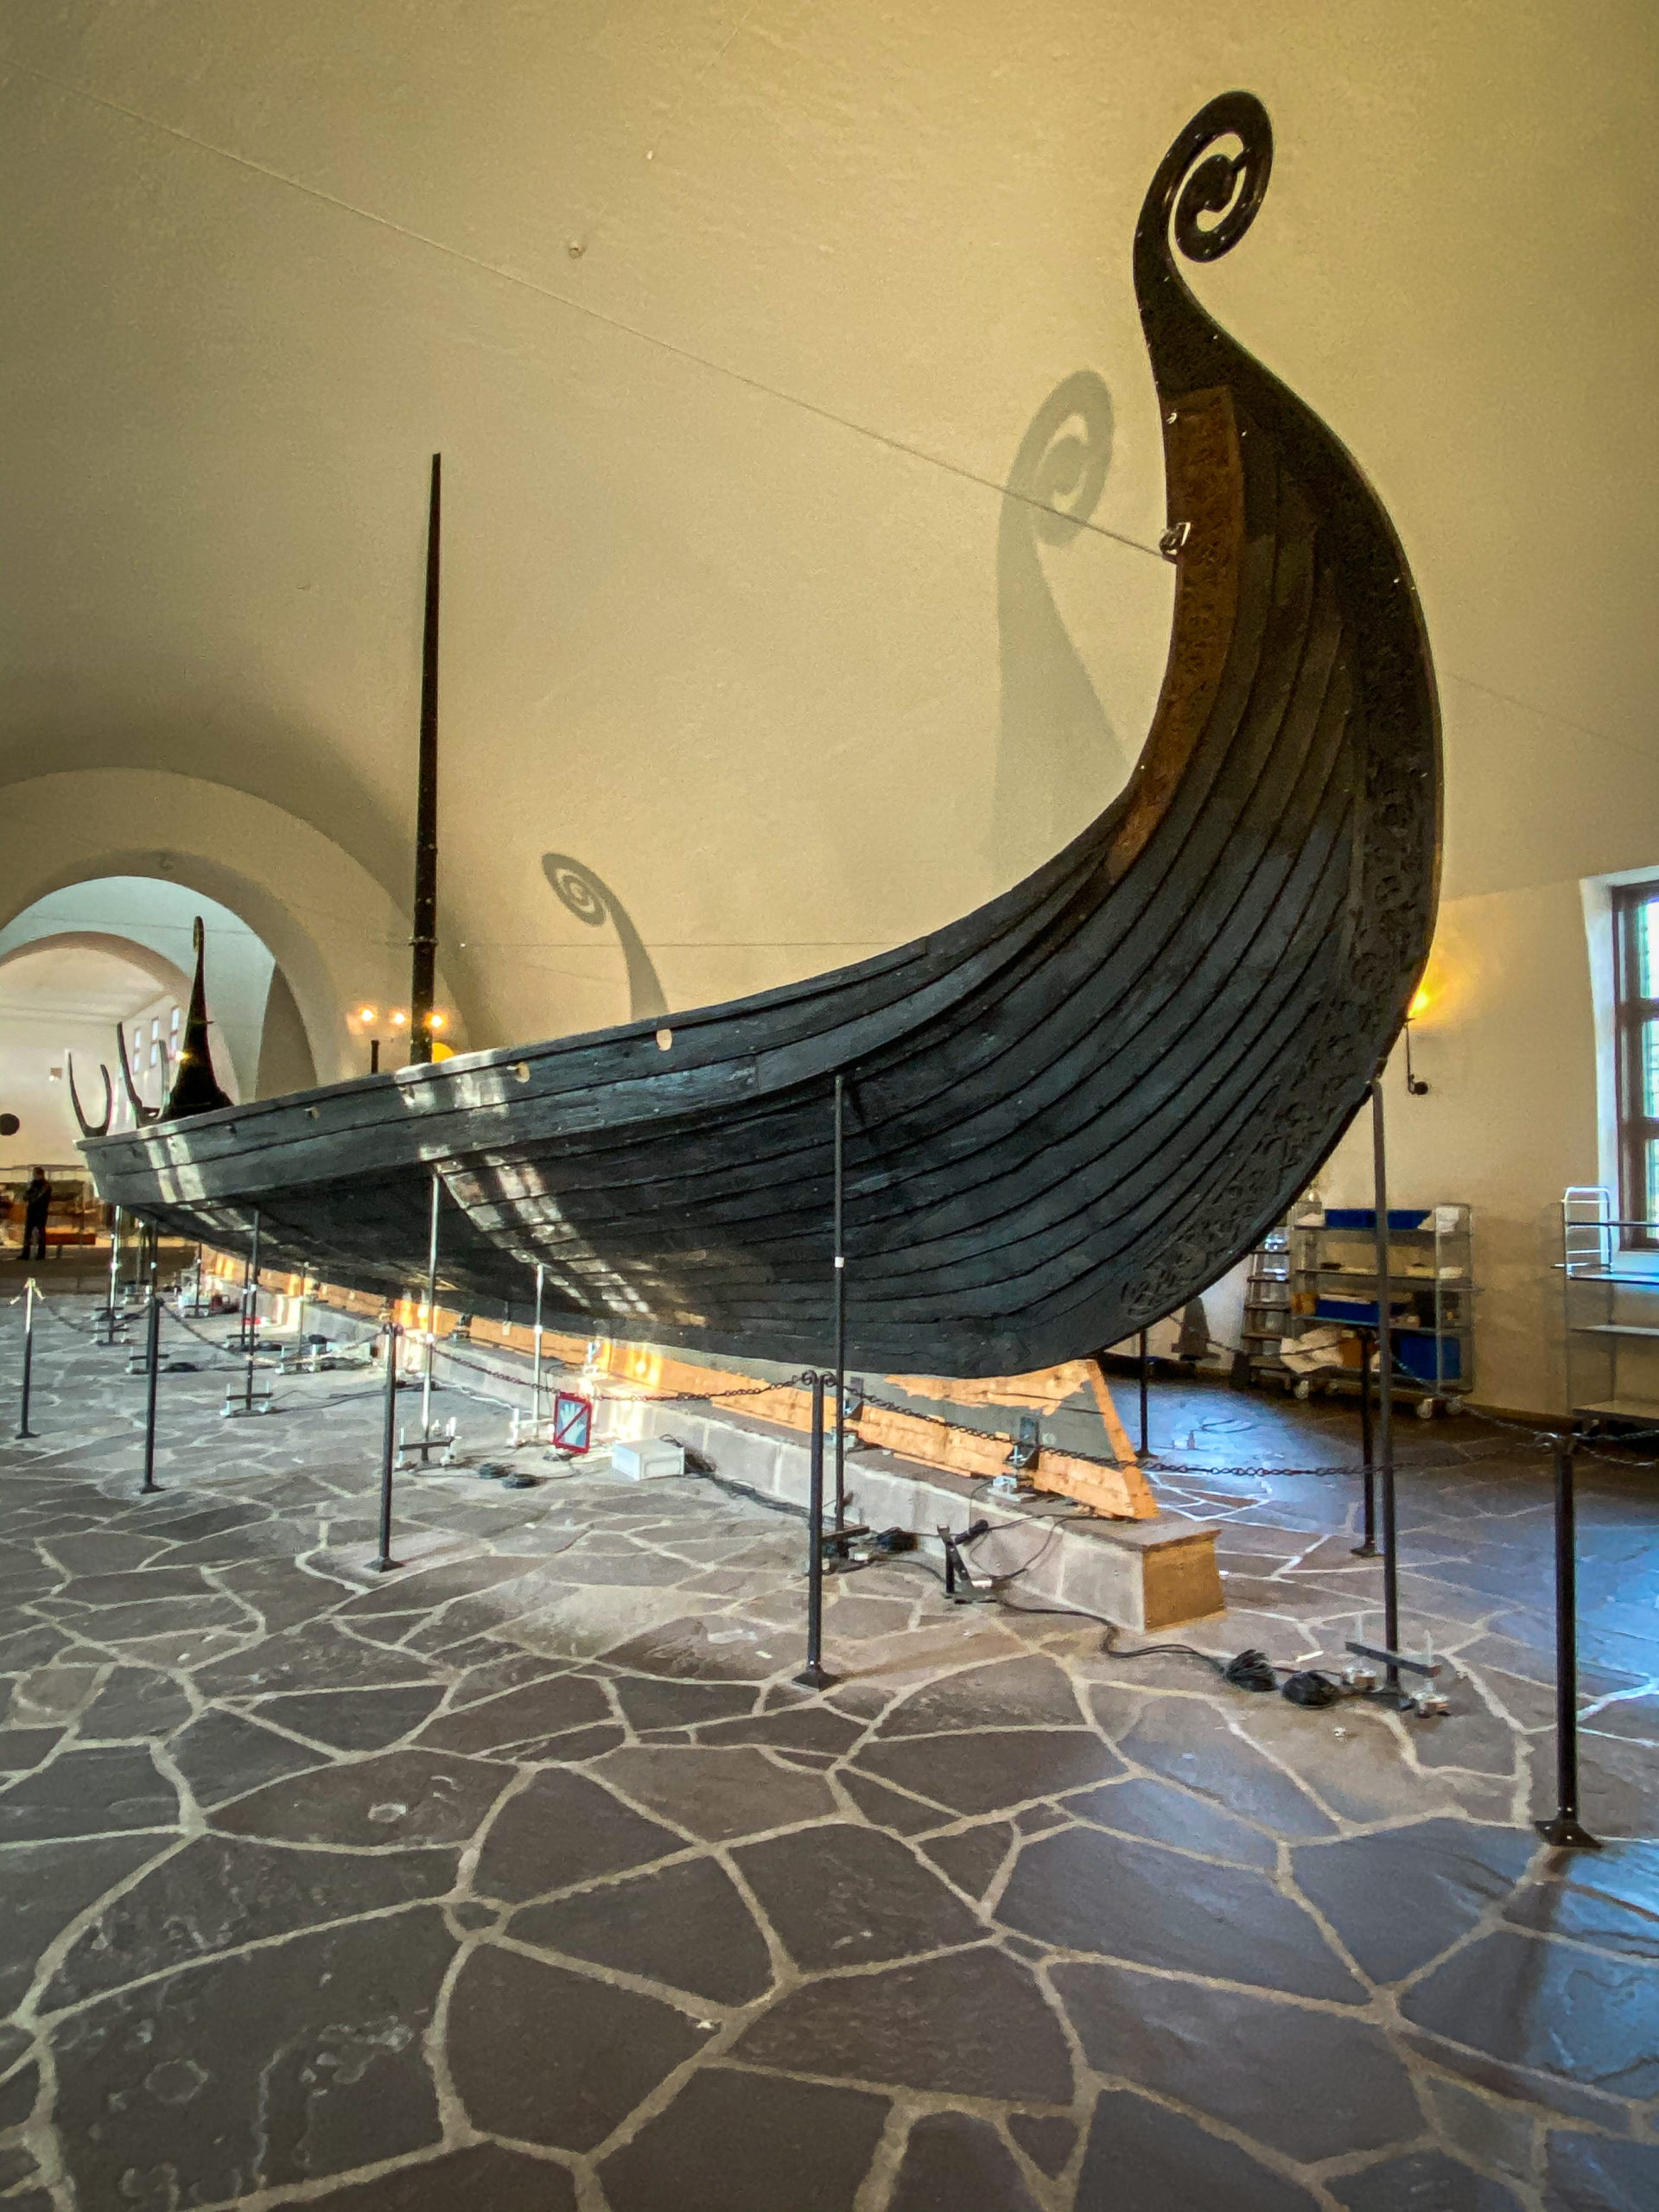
point(384, 1563)
point(1565, 1830)
point(23, 1428)
point(152, 1371)
point(535, 1357)
point(251, 1311)
point(251, 1298)
point(1366, 1548)
point(424, 940)
point(813, 1676)
point(840, 1316)
point(1385, 1388)
point(431, 1315)
point(115, 1268)
point(1142, 1364)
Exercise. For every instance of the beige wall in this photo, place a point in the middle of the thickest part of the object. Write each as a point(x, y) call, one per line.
point(730, 320)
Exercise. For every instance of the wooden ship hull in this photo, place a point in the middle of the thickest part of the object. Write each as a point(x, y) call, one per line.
point(1063, 1115)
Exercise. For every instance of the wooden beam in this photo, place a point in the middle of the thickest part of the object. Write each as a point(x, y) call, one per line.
point(1120, 1492)
point(1123, 1450)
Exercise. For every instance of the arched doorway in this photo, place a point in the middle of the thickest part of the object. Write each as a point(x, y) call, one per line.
point(339, 943)
point(115, 951)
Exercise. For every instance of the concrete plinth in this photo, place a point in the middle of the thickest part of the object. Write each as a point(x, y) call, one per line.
point(1142, 1575)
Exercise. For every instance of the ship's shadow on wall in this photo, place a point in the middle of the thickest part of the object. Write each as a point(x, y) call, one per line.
point(1056, 743)
point(594, 902)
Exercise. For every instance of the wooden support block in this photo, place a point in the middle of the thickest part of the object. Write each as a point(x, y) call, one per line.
point(1122, 1447)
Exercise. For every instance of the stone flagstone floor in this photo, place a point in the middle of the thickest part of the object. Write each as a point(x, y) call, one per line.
point(525, 1880)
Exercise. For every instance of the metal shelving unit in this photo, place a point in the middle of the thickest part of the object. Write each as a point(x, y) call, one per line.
point(1266, 1303)
point(1610, 1311)
point(1430, 1287)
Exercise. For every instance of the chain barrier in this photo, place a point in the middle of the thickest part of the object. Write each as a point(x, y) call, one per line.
point(1540, 1440)
point(237, 1366)
point(50, 1302)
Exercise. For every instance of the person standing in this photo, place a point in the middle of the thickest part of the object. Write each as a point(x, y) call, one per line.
point(37, 1201)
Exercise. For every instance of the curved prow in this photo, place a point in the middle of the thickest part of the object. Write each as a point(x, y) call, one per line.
point(90, 1128)
point(141, 1113)
point(194, 1088)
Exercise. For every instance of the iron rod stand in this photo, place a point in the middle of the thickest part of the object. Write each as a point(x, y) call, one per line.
point(152, 1372)
point(1385, 1388)
point(1565, 1830)
point(1142, 1364)
point(385, 1562)
point(841, 1330)
point(23, 1428)
point(813, 1675)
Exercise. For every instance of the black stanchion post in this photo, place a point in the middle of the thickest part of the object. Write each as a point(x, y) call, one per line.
point(1142, 1364)
point(1385, 1390)
point(23, 1428)
point(841, 1321)
point(1366, 1548)
point(152, 1371)
point(384, 1563)
point(431, 1319)
point(813, 1676)
point(1565, 1829)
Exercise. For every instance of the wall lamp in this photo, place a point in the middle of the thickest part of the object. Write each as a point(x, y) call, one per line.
point(1420, 1004)
point(365, 1018)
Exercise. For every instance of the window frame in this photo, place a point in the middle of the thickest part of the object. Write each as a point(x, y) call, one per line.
point(1639, 1231)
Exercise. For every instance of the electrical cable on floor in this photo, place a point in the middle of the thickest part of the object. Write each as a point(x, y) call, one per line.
point(1250, 1669)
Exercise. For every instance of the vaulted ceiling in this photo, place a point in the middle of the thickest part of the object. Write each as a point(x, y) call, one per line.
point(731, 318)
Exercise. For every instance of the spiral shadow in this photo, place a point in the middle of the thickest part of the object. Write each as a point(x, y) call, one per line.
point(592, 900)
point(1056, 739)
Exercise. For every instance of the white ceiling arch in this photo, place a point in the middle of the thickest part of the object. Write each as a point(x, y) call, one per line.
point(340, 940)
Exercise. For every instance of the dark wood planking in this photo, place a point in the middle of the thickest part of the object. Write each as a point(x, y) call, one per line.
point(1067, 1111)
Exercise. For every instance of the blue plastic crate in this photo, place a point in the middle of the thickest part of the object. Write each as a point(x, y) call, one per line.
point(1365, 1217)
point(1416, 1356)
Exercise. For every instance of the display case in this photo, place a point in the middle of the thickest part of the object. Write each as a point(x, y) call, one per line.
point(1611, 1312)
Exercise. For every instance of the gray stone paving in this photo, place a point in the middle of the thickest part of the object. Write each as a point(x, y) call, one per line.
point(525, 1878)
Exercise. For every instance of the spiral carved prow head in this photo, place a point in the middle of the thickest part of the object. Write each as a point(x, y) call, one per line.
point(1207, 195)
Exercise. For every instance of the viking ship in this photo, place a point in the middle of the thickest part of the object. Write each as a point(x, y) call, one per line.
point(1059, 1117)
